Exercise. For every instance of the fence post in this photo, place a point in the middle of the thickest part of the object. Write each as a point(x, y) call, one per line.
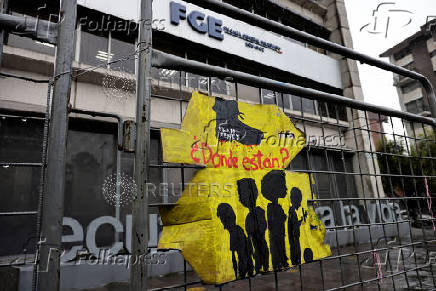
point(4, 7)
point(53, 201)
point(138, 273)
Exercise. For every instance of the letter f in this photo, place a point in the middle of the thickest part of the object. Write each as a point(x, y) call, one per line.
point(178, 12)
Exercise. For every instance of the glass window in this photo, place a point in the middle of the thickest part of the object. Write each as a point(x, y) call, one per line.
point(197, 82)
point(219, 86)
point(268, 97)
point(248, 93)
point(303, 104)
point(410, 87)
point(416, 106)
point(20, 141)
point(30, 44)
point(121, 49)
point(287, 101)
point(327, 185)
point(412, 107)
point(93, 49)
point(169, 76)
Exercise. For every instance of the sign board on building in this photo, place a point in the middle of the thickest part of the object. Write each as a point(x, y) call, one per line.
point(203, 26)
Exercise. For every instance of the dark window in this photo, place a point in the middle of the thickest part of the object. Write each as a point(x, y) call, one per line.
point(20, 141)
point(303, 104)
point(197, 82)
point(401, 54)
point(119, 50)
point(30, 44)
point(91, 158)
point(410, 87)
point(168, 76)
point(93, 49)
point(416, 106)
point(219, 86)
point(328, 185)
point(268, 97)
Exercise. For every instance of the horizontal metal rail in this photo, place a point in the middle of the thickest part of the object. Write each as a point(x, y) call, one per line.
point(168, 61)
point(25, 26)
point(16, 165)
point(302, 36)
point(18, 213)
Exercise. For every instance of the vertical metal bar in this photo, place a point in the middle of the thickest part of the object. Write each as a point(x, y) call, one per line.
point(53, 202)
point(3, 9)
point(138, 272)
point(42, 179)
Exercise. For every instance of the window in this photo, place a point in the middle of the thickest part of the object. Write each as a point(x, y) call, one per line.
point(20, 141)
point(401, 54)
point(328, 185)
point(91, 157)
point(165, 75)
point(197, 82)
point(248, 93)
point(410, 87)
point(119, 50)
point(303, 104)
point(94, 49)
point(416, 106)
point(30, 44)
point(269, 97)
point(219, 86)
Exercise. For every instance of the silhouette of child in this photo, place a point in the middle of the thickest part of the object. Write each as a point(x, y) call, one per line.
point(274, 187)
point(294, 226)
point(255, 223)
point(238, 241)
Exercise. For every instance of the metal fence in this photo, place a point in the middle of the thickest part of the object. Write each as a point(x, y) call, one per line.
point(372, 189)
point(386, 237)
point(375, 192)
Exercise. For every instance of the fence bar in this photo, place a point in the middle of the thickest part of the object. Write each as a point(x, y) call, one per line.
point(164, 60)
point(18, 213)
point(53, 202)
point(3, 9)
point(302, 36)
point(138, 272)
point(16, 165)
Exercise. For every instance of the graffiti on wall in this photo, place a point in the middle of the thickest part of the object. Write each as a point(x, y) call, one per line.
point(245, 214)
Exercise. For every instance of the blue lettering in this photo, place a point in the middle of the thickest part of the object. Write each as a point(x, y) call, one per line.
point(215, 28)
point(178, 12)
point(193, 19)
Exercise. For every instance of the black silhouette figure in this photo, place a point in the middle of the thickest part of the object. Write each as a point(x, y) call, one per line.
point(294, 226)
point(308, 255)
point(255, 223)
point(238, 242)
point(273, 188)
point(229, 127)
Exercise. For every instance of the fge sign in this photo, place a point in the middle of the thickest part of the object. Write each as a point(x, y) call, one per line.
point(196, 20)
point(234, 37)
point(207, 24)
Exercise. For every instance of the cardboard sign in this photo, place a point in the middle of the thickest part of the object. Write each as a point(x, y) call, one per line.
point(243, 214)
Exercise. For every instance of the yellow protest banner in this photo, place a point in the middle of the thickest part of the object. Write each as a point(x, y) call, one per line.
point(243, 214)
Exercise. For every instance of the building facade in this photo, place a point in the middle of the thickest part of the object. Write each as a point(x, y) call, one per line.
point(102, 85)
point(417, 53)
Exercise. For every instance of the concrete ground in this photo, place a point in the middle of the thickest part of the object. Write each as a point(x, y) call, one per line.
point(333, 273)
